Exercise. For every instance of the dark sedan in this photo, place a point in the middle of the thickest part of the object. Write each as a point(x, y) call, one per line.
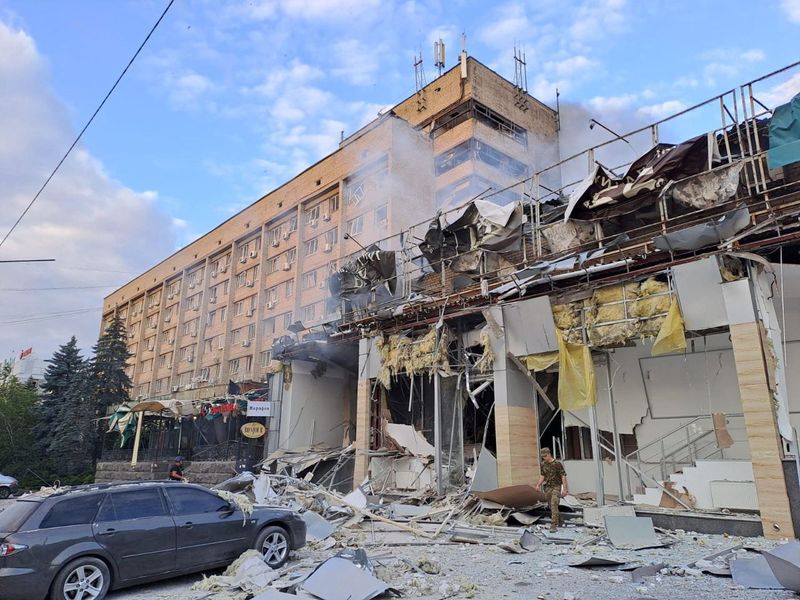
point(80, 543)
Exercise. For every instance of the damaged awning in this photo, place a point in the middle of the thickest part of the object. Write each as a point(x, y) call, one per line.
point(602, 194)
point(480, 226)
point(179, 408)
point(373, 271)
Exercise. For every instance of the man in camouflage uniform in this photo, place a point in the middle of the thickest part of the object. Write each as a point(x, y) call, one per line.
point(553, 482)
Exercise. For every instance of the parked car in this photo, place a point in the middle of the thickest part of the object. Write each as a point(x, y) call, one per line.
point(8, 486)
point(79, 543)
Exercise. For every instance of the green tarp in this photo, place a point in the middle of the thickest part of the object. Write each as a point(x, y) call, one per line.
point(784, 134)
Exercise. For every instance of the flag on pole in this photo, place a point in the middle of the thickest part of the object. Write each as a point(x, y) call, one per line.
point(25, 353)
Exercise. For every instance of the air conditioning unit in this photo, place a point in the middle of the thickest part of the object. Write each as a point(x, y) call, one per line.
point(169, 366)
point(167, 319)
point(322, 285)
point(213, 273)
point(276, 243)
point(131, 335)
point(189, 386)
point(249, 284)
point(196, 308)
point(287, 266)
point(286, 235)
point(193, 333)
point(253, 253)
point(176, 388)
point(190, 359)
point(245, 343)
point(326, 217)
point(140, 397)
point(223, 268)
point(192, 286)
point(242, 259)
point(312, 223)
point(212, 300)
point(250, 312)
point(327, 248)
point(270, 305)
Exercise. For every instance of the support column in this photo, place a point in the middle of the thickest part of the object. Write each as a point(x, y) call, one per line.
point(515, 416)
point(762, 430)
point(363, 413)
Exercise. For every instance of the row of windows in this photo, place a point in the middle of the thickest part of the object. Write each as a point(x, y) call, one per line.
point(473, 149)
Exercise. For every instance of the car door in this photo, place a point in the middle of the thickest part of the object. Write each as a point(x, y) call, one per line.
point(207, 531)
point(135, 527)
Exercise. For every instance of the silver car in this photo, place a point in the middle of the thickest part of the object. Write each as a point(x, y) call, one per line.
point(8, 486)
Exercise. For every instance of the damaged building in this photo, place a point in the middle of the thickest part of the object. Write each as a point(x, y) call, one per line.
point(641, 321)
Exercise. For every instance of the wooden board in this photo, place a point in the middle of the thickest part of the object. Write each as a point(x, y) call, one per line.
point(516, 433)
point(762, 431)
point(363, 406)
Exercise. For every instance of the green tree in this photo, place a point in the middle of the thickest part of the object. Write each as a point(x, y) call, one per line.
point(112, 385)
point(66, 429)
point(17, 420)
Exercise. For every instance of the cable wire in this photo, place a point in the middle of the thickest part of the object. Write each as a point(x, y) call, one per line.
point(89, 122)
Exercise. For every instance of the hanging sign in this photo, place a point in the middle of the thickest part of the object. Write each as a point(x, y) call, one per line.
point(253, 430)
point(259, 408)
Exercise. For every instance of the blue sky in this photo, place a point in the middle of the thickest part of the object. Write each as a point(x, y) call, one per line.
point(230, 99)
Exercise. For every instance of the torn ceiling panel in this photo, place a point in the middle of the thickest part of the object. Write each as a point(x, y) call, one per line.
point(530, 328)
point(374, 270)
point(699, 287)
point(705, 234)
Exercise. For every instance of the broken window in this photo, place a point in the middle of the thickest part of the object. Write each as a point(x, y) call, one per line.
point(381, 214)
point(355, 226)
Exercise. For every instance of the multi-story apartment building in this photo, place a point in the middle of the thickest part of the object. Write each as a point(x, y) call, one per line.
point(211, 311)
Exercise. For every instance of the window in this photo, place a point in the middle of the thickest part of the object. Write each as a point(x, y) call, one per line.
point(275, 235)
point(273, 264)
point(236, 336)
point(247, 363)
point(355, 194)
point(381, 214)
point(174, 288)
point(287, 319)
point(221, 341)
point(311, 246)
point(333, 204)
point(238, 308)
point(185, 378)
point(309, 280)
point(147, 365)
point(138, 504)
point(308, 312)
point(355, 226)
point(268, 326)
point(188, 501)
point(150, 343)
point(251, 331)
point(252, 301)
point(289, 288)
point(453, 157)
point(222, 312)
point(73, 511)
point(191, 327)
point(331, 236)
point(266, 358)
point(165, 360)
point(312, 215)
point(293, 224)
point(271, 295)
point(152, 321)
point(233, 366)
point(204, 372)
point(241, 279)
point(158, 386)
point(208, 345)
point(210, 317)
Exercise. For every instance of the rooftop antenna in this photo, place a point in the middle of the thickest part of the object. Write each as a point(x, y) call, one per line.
point(419, 73)
point(462, 58)
point(438, 55)
point(521, 78)
point(520, 70)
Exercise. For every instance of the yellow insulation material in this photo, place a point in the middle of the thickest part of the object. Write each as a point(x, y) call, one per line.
point(400, 353)
point(671, 337)
point(539, 362)
point(577, 388)
point(486, 362)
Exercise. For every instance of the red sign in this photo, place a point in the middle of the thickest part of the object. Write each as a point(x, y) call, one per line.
point(217, 409)
point(25, 353)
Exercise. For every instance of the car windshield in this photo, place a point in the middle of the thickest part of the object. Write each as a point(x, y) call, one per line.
point(14, 515)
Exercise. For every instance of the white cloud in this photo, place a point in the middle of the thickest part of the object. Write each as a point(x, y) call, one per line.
point(727, 63)
point(595, 19)
point(356, 62)
point(662, 109)
point(791, 9)
point(511, 25)
point(604, 104)
point(780, 93)
point(85, 219)
point(571, 67)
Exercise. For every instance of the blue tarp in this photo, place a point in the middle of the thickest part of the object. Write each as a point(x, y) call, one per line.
point(784, 134)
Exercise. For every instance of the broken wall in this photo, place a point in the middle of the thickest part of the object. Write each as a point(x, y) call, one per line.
point(316, 405)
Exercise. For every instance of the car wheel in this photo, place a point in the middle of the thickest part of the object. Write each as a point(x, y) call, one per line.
point(85, 578)
point(4, 493)
point(273, 543)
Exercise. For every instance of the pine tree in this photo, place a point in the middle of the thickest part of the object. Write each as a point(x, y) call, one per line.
point(111, 382)
point(66, 429)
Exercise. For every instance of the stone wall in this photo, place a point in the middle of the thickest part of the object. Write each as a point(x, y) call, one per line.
point(205, 473)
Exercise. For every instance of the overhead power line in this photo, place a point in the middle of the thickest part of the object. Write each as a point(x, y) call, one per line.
point(47, 316)
point(65, 287)
point(89, 122)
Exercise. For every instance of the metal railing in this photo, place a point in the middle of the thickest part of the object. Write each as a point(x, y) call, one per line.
point(730, 119)
point(680, 448)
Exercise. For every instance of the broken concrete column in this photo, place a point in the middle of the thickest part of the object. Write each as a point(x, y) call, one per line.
point(516, 425)
point(758, 407)
point(368, 364)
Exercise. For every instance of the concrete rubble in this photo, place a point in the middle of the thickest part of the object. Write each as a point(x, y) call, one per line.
point(364, 545)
